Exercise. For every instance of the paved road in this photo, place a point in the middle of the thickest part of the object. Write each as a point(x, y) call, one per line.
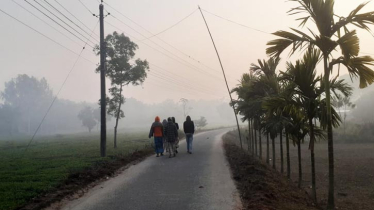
point(198, 181)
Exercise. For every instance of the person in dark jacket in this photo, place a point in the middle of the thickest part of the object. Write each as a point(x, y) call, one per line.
point(166, 146)
point(171, 134)
point(157, 130)
point(189, 130)
point(177, 140)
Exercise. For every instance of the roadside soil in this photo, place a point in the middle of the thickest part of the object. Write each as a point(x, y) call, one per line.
point(79, 183)
point(260, 187)
point(354, 174)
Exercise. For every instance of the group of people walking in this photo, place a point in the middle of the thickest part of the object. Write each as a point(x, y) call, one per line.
point(166, 135)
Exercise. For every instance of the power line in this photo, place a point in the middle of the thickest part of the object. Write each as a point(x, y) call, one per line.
point(185, 54)
point(56, 22)
point(55, 98)
point(146, 45)
point(151, 41)
point(252, 27)
point(172, 26)
point(46, 23)
point(73, 15)
point(231, 21)
point(87, 8)
point(163, 52)
point(63, 21)
point(45, 36)
point(68, 19)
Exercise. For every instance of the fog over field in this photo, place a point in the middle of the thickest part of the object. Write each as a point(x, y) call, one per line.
point(289, 83)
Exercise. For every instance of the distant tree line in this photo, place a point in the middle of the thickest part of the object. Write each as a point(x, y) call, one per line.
point(25, 100)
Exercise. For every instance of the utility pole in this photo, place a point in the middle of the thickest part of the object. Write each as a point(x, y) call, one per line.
point(224, 76)
point(184, 104)
point(102, 83)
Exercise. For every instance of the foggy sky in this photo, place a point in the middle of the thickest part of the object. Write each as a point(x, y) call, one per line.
point(23, 51)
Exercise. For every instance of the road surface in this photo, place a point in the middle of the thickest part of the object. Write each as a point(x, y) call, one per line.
point(187, 182)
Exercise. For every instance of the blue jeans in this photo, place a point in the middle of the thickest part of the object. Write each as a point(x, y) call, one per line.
point(159, 147)
point(189, 139)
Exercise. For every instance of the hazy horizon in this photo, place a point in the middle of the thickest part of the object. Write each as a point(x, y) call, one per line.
point(26, 52)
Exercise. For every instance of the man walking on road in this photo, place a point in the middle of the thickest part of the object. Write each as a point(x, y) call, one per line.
point(171, 134)
point(157, 130)
point(189, 130)
point(177, 140)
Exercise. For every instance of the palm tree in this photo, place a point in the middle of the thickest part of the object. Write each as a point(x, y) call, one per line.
point(243, 103)
point(303, 76)
point(329, 26)
point(266, 85)
point(302, 100)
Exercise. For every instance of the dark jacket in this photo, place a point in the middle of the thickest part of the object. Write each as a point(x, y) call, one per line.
point(165, 124)
point(171, 132)
point(189, 126)
point(176, 124)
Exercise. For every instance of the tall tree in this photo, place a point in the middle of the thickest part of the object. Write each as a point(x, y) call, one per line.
point(122, 71)
point(332, 33)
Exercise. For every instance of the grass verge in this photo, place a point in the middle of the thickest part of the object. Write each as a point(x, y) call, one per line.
point(55, 166)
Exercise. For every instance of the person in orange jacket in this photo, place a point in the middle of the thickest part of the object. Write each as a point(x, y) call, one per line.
point(157, 131)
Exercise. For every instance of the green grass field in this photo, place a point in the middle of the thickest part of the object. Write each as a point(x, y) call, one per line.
point(49, 160)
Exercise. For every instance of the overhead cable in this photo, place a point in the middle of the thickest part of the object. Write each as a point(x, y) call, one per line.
point(45, 36)
point(57, 23)
point(61, 87)
point(231, 21)
point(180, 51)
point(170, 27)
point(57, 10)
point(72, 15)
point(63, 21)
point(165, 53)
point(47, 23)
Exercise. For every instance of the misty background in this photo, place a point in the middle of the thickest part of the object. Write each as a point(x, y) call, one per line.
point(182, 60)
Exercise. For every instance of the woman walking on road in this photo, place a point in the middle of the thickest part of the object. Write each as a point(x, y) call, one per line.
point(157, 130)
point(171, 134)
point(189, 130)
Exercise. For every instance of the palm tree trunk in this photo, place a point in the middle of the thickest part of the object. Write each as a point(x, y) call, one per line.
point(288, 156)
point(331, 198)
point(249, 136)
point(260, 143)
point(117, 117)
point(273, 144)
point(281, 151)
point(314, 192)
point(267, 148)
point(299, 160)
point(253, 142)
point(256, 142)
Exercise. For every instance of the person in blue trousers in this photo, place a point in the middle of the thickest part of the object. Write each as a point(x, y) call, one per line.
point(189, 130)
point(157, 130)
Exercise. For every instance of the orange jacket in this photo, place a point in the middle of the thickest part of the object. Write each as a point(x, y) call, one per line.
point(157, 129)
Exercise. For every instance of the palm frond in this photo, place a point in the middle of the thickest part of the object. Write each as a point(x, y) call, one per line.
point(277, 46)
